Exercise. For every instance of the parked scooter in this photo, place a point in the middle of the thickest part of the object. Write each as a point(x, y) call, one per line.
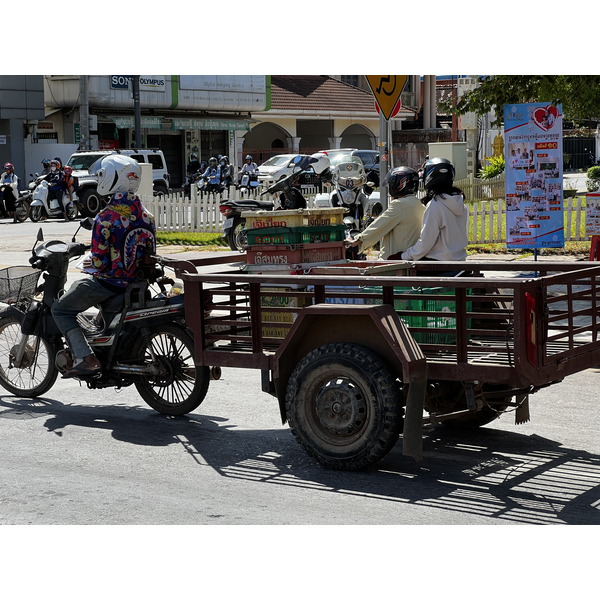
point(141, 337)
point(21, 204)
point(41, 207)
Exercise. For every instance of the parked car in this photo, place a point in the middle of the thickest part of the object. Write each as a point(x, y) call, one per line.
point(90, 202)
point(276, 168)
point(280, 166)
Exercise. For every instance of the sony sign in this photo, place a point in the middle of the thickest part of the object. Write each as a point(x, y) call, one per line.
point(148, 83)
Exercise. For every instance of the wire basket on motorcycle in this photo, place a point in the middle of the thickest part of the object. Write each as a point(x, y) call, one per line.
point(17, 283)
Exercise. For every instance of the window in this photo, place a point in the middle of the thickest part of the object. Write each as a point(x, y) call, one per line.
point(156, 161)
point(138, 157)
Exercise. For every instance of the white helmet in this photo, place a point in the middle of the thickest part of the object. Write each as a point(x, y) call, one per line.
point(117, 173)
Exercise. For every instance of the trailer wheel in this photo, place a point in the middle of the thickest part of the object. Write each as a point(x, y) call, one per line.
point(343, 406)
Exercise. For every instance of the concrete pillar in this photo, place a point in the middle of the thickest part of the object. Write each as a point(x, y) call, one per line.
point(335, 142)
point(294, 144)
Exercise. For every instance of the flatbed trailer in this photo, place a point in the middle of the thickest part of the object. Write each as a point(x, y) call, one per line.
point(356, 358)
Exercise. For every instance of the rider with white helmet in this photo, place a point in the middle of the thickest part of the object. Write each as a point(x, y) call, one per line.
point(123, 231)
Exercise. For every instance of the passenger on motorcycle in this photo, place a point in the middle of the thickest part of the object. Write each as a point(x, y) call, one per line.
point(444, 232)
point(70, 182)
point(399, 225)
point(56, 184)
point(122, 233)
point(9, 184)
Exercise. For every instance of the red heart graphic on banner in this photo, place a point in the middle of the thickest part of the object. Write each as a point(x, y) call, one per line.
point(545, 117)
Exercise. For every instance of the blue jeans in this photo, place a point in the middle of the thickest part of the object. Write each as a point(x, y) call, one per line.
point(82, 295)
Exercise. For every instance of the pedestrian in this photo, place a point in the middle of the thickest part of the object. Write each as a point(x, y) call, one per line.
point(398, 227)
point(444, 231)
point(9, 186)
point(122, 233)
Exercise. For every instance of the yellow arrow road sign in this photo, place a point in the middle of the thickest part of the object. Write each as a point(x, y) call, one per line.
point(387, 90)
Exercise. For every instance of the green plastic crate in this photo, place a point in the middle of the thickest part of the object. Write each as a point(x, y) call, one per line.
point(441, 306)
point(295, 235)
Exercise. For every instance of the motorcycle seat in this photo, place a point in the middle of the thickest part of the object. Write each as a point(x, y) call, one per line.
point(260, 204)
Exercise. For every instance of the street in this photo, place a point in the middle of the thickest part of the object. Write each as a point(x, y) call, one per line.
point(78, 456)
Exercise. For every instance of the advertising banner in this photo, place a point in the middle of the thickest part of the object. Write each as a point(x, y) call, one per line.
point(592, 213)
point(534, 175)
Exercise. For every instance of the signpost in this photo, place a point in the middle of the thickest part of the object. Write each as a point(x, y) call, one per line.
point(387, 90)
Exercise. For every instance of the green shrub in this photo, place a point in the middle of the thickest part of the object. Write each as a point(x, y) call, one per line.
point(593, 180)
point(496, 167)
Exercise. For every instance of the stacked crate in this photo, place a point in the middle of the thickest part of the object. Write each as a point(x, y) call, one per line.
point(290, 242)
point(294, 239)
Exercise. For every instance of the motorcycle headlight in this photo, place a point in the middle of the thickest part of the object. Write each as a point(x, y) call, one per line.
point(347, 196)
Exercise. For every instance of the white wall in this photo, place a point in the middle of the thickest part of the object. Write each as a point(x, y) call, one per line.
point(36, 153)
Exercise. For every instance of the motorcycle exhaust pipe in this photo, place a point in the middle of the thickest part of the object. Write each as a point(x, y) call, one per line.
point(215, 373)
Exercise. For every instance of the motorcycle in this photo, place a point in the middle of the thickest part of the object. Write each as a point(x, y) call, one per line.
point(248, 184)
point(287, 193)
point(234, 224)
point(21, 204)
point(40, 206)
point(352, 190)
point(192, 179)
point(140, 336)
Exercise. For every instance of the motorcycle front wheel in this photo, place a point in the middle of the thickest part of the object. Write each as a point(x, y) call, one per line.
point(71, 212)
point(36, 372)
point(181, 387)
point(35, 213)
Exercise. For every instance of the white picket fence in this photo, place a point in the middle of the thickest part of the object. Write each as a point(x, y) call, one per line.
point(177, 213)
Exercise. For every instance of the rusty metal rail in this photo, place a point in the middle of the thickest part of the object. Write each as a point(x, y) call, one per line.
point(530, 328)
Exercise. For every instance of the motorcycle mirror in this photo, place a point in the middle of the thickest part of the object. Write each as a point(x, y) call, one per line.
point(86, 223)
point(38, 238)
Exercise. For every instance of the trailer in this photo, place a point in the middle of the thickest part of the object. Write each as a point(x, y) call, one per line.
point(361, 354)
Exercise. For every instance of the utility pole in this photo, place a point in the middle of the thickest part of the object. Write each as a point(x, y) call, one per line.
point(383, 158)
point(84, 113)
point(135, 82)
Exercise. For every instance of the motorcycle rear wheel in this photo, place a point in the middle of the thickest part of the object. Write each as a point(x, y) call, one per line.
point(183, 386)
point(37, 372)
point(22, 211)
point(236, 237)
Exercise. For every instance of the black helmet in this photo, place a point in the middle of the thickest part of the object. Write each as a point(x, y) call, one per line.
point(438, 172)
point(402, 181)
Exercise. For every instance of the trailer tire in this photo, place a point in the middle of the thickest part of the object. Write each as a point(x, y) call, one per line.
point(344, 406)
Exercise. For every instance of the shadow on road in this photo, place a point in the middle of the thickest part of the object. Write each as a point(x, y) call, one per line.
point(498, 474)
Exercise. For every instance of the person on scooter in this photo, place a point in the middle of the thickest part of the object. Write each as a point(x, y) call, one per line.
point(249, 167)
point(71, 183)
point(444, 232)
point(56, 185)
point(122, 233)
point(193, 165)
point(398, 227)
point(212, 174)
point(9, 184)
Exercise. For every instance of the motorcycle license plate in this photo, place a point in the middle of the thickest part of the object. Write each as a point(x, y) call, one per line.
point(228, 224)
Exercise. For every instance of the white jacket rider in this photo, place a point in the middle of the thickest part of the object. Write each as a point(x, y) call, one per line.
point(444, 231)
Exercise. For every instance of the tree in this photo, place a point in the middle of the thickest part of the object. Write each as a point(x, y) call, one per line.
point(578, 94)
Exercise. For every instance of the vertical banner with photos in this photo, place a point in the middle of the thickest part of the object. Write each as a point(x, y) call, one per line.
point(533, 175)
